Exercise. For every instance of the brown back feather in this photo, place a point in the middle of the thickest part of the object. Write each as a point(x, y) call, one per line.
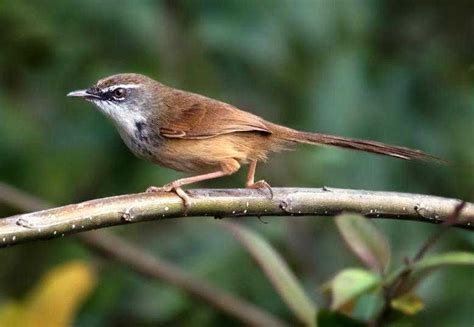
point(198, 117)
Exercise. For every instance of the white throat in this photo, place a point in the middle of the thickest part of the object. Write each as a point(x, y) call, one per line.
point(124, 119)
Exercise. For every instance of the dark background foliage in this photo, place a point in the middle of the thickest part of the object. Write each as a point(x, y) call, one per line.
point(398, 72)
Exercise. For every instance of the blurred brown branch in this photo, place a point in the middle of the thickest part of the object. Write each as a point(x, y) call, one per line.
point(115, 248)
point(132, 208)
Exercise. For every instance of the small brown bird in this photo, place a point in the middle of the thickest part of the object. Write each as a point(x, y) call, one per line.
point(192, 133)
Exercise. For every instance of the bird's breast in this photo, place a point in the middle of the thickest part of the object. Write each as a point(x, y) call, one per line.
point(141, 140)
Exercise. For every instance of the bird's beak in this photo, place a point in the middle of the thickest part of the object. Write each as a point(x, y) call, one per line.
point(86, 94)
point(79, 93)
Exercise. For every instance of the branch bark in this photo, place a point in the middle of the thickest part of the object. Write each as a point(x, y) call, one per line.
point(133, 208)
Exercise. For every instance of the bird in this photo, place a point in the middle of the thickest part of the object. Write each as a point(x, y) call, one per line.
point(207, 138)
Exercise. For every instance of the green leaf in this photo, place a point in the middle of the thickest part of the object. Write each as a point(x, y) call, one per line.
point(349, 284)
point(445, 259)
point(408, 303)
point(278, 272)
point(365, 240)
point(327, 318)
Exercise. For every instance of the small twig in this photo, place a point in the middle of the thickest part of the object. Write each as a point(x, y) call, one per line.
point(452, 219)
point(399, 282)
point(149, 266)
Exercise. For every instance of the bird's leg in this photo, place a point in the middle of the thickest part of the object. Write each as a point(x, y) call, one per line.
point(251, 174)
point(261, 184)
point(227, 168)
point(176, 185)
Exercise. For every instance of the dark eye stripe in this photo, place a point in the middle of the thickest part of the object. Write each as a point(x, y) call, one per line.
point(113, 96)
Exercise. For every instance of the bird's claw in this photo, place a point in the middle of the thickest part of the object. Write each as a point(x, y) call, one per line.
point(165, 188)
point(262, 185)
point(170, 187)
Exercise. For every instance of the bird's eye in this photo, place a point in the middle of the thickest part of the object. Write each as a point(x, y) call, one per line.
point(119, 93)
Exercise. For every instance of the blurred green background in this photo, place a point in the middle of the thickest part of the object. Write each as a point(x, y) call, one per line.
point(396, 72)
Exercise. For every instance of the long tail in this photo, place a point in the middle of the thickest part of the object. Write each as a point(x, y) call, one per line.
point(291, 135)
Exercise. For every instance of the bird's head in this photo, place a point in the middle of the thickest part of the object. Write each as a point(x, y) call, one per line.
point(124, 98)
point(120, 93)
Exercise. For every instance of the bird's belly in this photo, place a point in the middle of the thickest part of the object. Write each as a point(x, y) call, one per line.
point(206, 155)
point(166, 153)
point(198, 155)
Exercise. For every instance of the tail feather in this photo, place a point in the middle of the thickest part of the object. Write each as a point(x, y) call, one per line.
point(291, 135)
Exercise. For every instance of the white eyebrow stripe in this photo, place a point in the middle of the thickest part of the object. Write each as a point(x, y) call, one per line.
point(124, 86)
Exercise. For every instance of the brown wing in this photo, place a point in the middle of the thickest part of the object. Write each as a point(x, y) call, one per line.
point(197, 117)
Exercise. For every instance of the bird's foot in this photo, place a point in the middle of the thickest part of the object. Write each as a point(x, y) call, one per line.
point(171, 187)
point(156, 189)
point(261, 185)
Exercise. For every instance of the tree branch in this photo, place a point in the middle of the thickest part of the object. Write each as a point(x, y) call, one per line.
point(112, 247)
point(132, 208)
